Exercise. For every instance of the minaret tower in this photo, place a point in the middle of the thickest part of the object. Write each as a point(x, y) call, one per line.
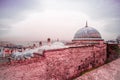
point(86, 24)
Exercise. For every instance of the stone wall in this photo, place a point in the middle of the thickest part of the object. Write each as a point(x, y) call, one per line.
point(110, 71)
point(119, 45)
point(113, 52)
point(68, 63)
point(59, 64)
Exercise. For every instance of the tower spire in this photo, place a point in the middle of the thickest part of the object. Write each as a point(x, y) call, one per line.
point(86, 24)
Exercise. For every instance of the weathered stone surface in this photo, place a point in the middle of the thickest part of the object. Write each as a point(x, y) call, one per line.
point(34, 71)
point(62, 64)
point(68, 63)
point(110, 71)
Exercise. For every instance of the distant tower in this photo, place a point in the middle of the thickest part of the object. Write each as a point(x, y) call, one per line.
point(40, 43)
point(86, 24)
point(49, 41)
point(34, 45)
point(57, 39)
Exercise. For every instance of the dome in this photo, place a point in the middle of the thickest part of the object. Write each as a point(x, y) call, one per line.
point(55, 45)
point(58, 43)
point(87, 33)
point(118, 38)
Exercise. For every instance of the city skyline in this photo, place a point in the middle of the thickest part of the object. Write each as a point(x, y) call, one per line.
point(40, 19)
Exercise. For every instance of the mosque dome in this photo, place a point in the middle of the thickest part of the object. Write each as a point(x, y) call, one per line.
point(87, 33)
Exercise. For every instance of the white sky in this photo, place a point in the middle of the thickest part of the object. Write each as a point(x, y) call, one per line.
point(60, 19)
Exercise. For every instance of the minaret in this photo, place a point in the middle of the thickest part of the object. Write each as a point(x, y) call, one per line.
point(86, 24)
point(49, 41)
point(57, 39)
point(40, 43)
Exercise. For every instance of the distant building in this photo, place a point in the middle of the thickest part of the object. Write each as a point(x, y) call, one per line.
point(115, 41)
point(118, 39)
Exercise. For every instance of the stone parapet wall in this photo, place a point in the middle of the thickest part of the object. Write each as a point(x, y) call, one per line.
point(68, 63)
point(119, 45)
point(110, 71)
point(59, 64)
point(11, 61)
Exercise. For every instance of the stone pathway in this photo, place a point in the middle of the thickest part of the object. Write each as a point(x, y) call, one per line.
point(110, 71)
point(34, 71)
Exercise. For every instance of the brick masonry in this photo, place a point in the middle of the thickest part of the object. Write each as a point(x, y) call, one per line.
point(110, 71)
point(61, 64)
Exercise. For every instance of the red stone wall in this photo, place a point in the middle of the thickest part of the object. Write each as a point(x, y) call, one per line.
point(67, 63)
point(112, 52)
point(61, 64)
point(119, 45)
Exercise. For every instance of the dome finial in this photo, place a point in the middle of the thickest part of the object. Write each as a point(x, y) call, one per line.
point(86, 24)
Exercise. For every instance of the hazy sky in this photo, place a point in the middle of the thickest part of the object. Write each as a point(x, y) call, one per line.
point(40, 19)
